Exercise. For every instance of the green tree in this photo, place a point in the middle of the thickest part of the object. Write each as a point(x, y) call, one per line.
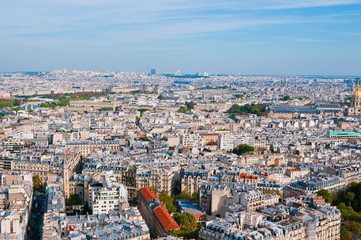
point(182, 110)
point(259, 109)
point(347, 212)
point(187, 108)
point(86, 209)
point(195, 197)
point(187, 222)
point(345, 235)
point(354, 227)
point(334, 197)
point(36, 181)
point(239, 96)
point(190, 105)
point(106, 109)
point(48, 105)
point(168, 201)
point(183, 195)
point(242, 149)
point(325, 194)
point(161, 97)
point(16, 102)
point(349, 197)
point(256, 111)
point(186, 235)
point(286, 98)
point(73, 200)
point(9, 103)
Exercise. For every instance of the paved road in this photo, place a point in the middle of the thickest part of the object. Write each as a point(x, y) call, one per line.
point(36, 217)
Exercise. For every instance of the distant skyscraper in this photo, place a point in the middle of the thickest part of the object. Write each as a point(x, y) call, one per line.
point(153, 71)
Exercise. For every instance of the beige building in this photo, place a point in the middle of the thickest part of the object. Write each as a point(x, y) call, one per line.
point(209, 138)
point(212, 198)
point(16, 194)
point(252, 200)
point(64, 164)
point(95, 104)
point(86, 147)
point(192, 179)
point(161, 179)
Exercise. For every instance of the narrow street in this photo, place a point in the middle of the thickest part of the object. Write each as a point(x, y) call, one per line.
point(36, 217)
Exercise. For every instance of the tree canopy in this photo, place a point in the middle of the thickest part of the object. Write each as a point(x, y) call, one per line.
point(239, 96)
point(36, 181)
point(187, 222)
point(168, 201)
point(9, 103)
point(345, 234)
point(73, 200)
point(349, 203)
point(242, 149)
point(329, 197)
point(187, 108)
point(259, 109)
point(286, 98)
point(187, 196)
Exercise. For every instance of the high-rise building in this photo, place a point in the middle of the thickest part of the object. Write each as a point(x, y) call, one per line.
point(153, 71)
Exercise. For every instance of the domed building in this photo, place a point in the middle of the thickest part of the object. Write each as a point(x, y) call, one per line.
point(355, 108)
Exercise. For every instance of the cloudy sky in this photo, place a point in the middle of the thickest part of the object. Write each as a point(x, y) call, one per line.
point(228, 36)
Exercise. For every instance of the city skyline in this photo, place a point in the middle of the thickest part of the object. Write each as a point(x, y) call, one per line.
point(251, 37)
point(85, 155)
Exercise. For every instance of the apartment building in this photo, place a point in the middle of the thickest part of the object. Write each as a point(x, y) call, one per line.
point(16, 194)
point(192, 140)
point(160, 178)
point(107, 196)
point(191, 179)
point(155, 214)
point(229, 141)
point(64, 162)
point(86, 147)
point(314, 183)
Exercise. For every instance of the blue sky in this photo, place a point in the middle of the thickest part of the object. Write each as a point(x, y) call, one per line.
point(229, 36)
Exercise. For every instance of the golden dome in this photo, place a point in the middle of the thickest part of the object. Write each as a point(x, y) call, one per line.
point(357, 93)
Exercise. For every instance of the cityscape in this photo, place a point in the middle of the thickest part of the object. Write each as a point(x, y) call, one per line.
point(118, 155)
point(180, 120)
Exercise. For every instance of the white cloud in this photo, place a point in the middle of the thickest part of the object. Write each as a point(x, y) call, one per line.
point(139, 20)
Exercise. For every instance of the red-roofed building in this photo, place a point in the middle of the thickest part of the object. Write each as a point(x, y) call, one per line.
point(155, 214)
point(165, 219)
point(248, 179)
point(147, 193)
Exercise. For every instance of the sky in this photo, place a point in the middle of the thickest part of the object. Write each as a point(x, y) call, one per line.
point(290, 37)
